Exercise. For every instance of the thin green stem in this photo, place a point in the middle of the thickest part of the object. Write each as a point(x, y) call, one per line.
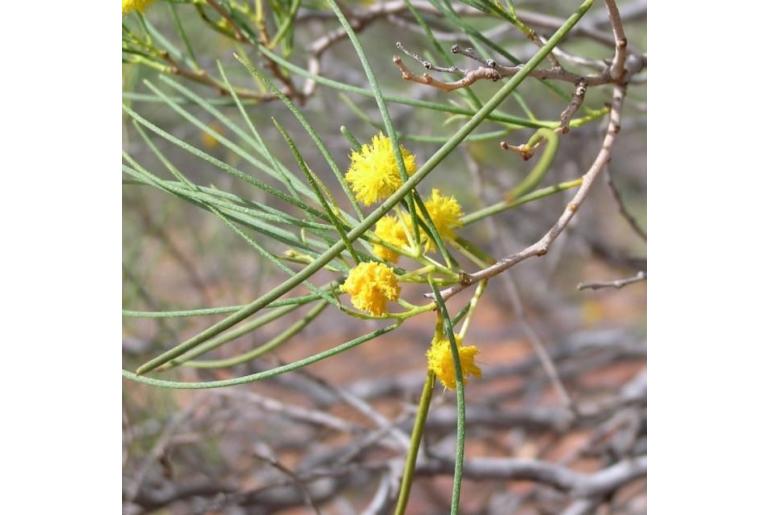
point(510, 204)
point(260, 144)
point(316, 185)
point(267, 374)
point(472, 307)
point(183, 34)
point(270, 345)
point(379, 212)
point(322, 148)
point(350, 137)
point(433, 233)
point(435, 106)
point(229, 336)
point(230, 170)
point(414, 443)
point(470, 97)
point(304, 299)
point(460, 391)
point(382, 106)
point(286, 24)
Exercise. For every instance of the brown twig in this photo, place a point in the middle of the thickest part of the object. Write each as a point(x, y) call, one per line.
point(622, 206)
point(532, 18)
point(201, 76)
point(489, 70)
point(573, 106)
point(296, 481)
point(427, 64)
point(468, 78)
point(294, 412)
point(518, 306)
point(617, 70)
point(561, 478)
point(617, 283)
point(540, 248)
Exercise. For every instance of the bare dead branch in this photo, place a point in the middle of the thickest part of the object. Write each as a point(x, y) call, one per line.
point(153, 499)
point(469, 78)
point(470, 53)
point(573, 106)
point(513, 294)
point(427, 64)
point(532, 18)
point(583, 506)
point(268, 457)
point(297, 413)
point(540, 248)
point(624, 212)
point(617, 283)
point(556, 476)
point(158, 449)
point(617, 70)
point(490, 70)
point(362, 407)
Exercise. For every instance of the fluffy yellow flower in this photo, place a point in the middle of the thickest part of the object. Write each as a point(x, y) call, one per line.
point(446, 213)
point(391, 230)
point(371, 286)
point(373, 172)
point(134, 5)
point(440, 361)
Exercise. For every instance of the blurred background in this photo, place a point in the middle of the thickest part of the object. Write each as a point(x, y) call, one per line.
point(329, 437)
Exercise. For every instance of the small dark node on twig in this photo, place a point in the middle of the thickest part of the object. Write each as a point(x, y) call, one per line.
point(416, 57)
point(427, 64)
point(468, 78)
point(471, 54)
point(465, 279)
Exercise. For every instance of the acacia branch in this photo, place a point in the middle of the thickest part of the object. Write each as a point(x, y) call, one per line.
point(617, 70)
point(541, 247)
point(469, 77)
point(489, 70)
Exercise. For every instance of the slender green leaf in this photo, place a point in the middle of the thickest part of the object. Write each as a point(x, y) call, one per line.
point(267, 374)
point(386, 206)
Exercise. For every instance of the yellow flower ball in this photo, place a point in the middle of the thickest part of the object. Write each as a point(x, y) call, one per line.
point(440, 361)
point(134, 5)
point(373, 174)
point(370, 286)
point(446, 213)
point(391, 230)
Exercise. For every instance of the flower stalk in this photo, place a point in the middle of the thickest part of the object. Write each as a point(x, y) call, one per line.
point(414, 444)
